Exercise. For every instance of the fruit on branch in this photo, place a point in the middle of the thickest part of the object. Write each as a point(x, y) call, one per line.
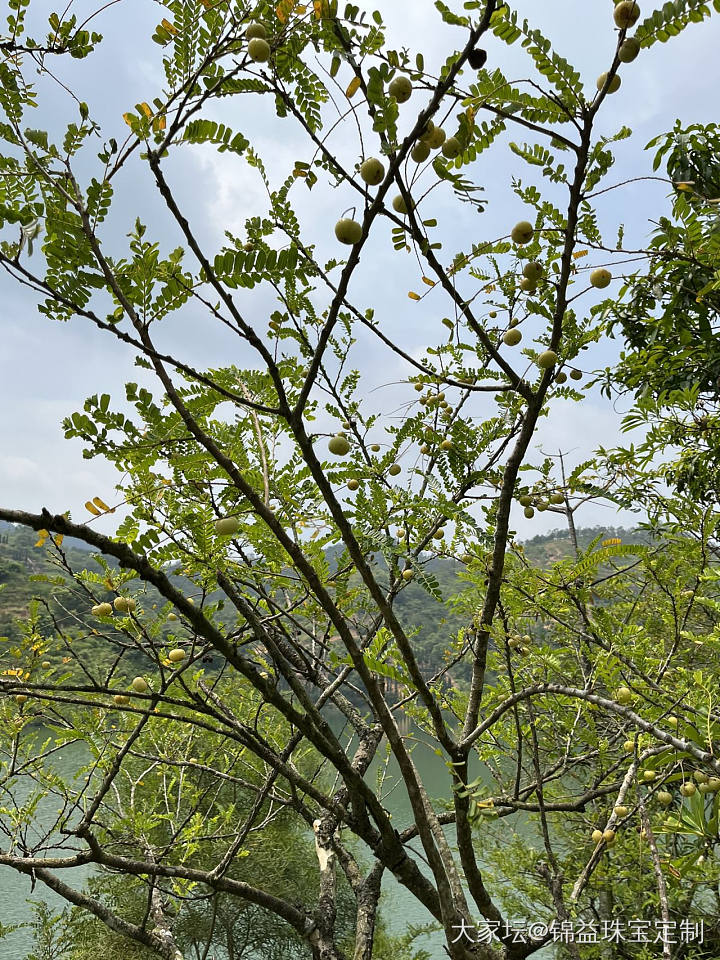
point(124, 604)
point(700, 776)
point(600, 278)
point(576, 375)
point(407, 574)
point(528, 285)
point(372, 171)
point(121, 700)
point(426, 132)
point(375, 447)
point(533, 270)
point(176, 656)
point(608, 836)
point(648, 776)
point(451, 148)
point(46, 664)
point(139, 685)
point(348, 231)
point(172, 616)
point(400, 88)
point(255, 31)
point(437, 138)
point(102, 610)
point(664, 798)
point(529, 512)
point(353, 484)
point(447, 445)
point(399, 205)
point(394, 470)
point(525, 500)
point(259, 50)
point(547, 359)
point(227, 526)
point(512, 337)
point(557, 498)
point(714, 784)
point(626, 14)
point(561, 377)
point(597, 836)
point(628, 746)
point(522, 232)
point(542, 505)
point(628, 50)
point(614, 83)
point(339, 445)
point(620, 811)
point(21, 698)
point(420, 152)
point(624, 696)
point(688, 789)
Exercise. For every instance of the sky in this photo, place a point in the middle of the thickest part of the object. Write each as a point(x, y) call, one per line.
point(47, 369)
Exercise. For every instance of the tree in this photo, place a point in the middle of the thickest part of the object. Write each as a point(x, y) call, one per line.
point(311, 509)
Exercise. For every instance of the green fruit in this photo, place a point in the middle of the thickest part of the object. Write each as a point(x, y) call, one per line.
point(542, 506)
point(425, 449)
point(620, 811)
point(614, 83)
point(394, 470)
point(420, 152)
point(103, 610)
point(372, 171)
point(512, 337)
point(353, 484)
point(400, 88)
point(714, 784)
point(451, 148)
point(648, 776)
point(21, 698)
point(447, 444)
point(46, 664)
point(227, 526)
point(437, 138)
point(557, 498)
point(688, 789)
point(629, 49)
point(122, 604)
point(626, 14)
point(547, 359)
point(254, 31)
point(375, 447)
point(259, 50)
point(628, 746)
point(177, 655)
point(664, 798)
point(525, 501)
point(701, 777)
point(339, 445)
point(624, 696)
point(529, 512)
point(528, 285)
point(399, 205)
point(467, 558)
point(348, 231)
point(597, 836)
point(121, 700)
point(407, 574)
point(608, 836)
point(522, 232)
point(139, 685)
point(600, 278)
point(533, 270)
point(172, 616)
point(426, 131)
point(576, 375)
point(561, 377)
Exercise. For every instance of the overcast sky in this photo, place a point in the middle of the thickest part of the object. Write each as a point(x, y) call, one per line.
point(48, 369)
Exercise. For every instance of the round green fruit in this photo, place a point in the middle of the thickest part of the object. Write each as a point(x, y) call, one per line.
point(227, 526)
point(528, 285)
point(338, 445)
point(122, 604)
point(525, 501)
point(255, 31)
point(46, 664)
point(629, 746)
point(348, 231)
point(176, 656)
point(664, 798)
point(437, 138)
point(557, 498)
point(714, 784)
point(608, 836)
point(512, 337)
point(400, 88)
point(121, 700)
point(447, 445)
point(700, 777)
point(375, 447)
point(425, 449)
point(576, 375)
point(614, 83)
point(353, 484)
point(139, 685)
point(600, 278)
point(626, 14)
point(624, 696)
point(529, 512)
point(451, 148)
point(547, 359)
point(427, 131)
point(522, 232)
point(620, 811)
point(394, 470)
point(259, 50)
point(597, 836)
point(648, 776)
point(629, 49)
point(688, 789)
point(172, 616)
point(542, 505)
point(533, 270)
point(399, 205)
point(372, 171)
point(103, 610)
point(407, 574)
point(420, 152)
point(21, 698)
point(561, 377)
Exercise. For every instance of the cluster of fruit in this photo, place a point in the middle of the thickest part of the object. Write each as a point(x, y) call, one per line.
point(532, 502)
point(121, 604)
point(625, 14)
point(520, 644)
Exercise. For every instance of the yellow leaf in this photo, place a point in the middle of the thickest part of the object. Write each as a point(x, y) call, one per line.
point(206, 4)
point(128, 118)
point(428, 281)
point(59, 539)
point(170, 27)
point(490, 288)
point(413, 295)
point(92, 508)
point(579, 253)
point(159, 124)
point(284, 9)
point(100, 503)
point(611, 542)
point(146, 109)
point(353, 87)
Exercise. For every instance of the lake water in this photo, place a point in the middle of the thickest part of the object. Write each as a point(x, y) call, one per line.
point(399, 908)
